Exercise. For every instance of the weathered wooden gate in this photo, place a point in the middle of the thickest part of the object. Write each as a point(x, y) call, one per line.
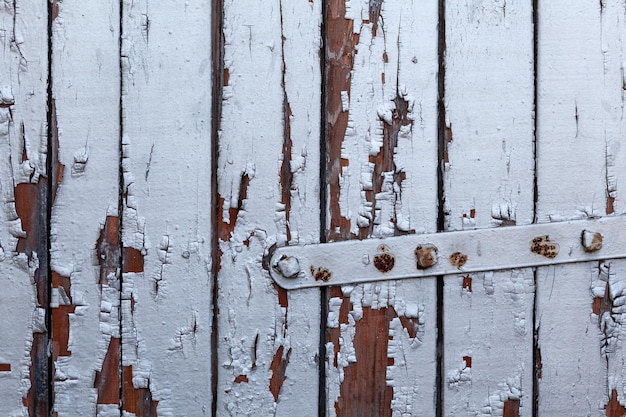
point(154, 153)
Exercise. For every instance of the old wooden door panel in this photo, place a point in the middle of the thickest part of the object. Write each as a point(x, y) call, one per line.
point(166, 220)
point(580, 170)
point(84, 225)
point(488, 182)
point(23, 99)
point(268, 194)
point(381, 129)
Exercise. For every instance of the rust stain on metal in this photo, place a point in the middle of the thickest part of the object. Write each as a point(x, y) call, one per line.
point(340, 50)
point(467, 283)
point(426, 256)
point(224, 229)
point(5, 367)
point(384, 161)
point(133, 260)
point(458, 259)
point(278, 368)
point(136, 400)
point(320, 274)
point(614, 408)
point(241, 378)
point(542, 245)
point(511, 408)
point(468, 361)
point(591, 242)
point(107, 380)
point(384, 260)
point(108, 248)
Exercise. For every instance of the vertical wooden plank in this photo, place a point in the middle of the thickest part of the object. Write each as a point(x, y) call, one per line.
point(580, 164)
point(166, 223)
point(24, 197)
point(84, 225)
point(488, 182)
point(268, 179)
point(381, 127)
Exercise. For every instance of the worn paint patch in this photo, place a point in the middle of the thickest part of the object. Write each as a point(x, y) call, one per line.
point(61, 316)
point(511, 408)
point(36, 400)
point(137, 400)
point(467, 283)
point(108, 248)
point(5, 367)
point(241, 378)
point(340, 50)
point(133, 260)
point(278, 368)
point(614, 408)
point(375, 6)
point(225, 228)
point(107, 380)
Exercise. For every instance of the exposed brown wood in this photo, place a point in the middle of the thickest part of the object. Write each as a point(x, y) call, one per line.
point(511, 408)
point(108, 247)
point(225, 229)
point(5, 367)
point(241, 378)
point(137, 400)
point(278, 368)
point(36, 400)
point(614, 408)
point(133, 260)
point(107, 380)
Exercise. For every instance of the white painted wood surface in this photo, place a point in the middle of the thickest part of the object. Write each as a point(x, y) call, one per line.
point(166, 223)
point(349, 87)
point(85, 62)
point(488, 182)
point(268, 193)
point(23, 73)
point(382, 164)
point(580, 165)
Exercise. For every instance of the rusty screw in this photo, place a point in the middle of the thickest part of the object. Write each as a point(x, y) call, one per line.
point(426, 256)
point(288, 266)
point(591, 241)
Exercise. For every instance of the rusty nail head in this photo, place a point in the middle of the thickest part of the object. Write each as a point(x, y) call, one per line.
point(426, 256)
point(542, 245)
point(384, 260)
point(288, 266)
point(591, 241)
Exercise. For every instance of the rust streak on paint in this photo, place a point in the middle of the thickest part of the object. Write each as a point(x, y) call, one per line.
point(511, 408)
point(107, 380)
point(278, 368)
point(137, 400)
point(133, 260)
point(340, 50)
point(108, 248)
point(241, 378)
point(384, 162)
point(364, 390)
point(614, 408)
point(5, 367)
point(225, 229)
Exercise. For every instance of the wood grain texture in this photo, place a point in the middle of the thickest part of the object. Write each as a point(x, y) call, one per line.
point(268, 179)
point(580, 164)
point(381, 96)
point(24, 198)
point(85, 299)
point(166, 224)
point(488, 182)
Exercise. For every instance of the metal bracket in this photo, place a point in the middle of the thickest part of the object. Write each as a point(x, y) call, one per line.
point(426, 255)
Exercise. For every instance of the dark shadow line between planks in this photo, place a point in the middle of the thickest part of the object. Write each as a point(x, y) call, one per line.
point(217, 85)
point(323, 184)
point(536, 351)
point(120, 201)
point(441, 146)
point(50, 184)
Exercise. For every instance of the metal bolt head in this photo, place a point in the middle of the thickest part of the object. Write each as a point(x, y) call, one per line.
point(426, 256)
point(591, 241)
point(288, 266)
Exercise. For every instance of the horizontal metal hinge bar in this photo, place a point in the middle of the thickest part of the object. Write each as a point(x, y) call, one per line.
point(425, 255)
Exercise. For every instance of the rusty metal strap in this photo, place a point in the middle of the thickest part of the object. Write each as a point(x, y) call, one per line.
point(425, 255)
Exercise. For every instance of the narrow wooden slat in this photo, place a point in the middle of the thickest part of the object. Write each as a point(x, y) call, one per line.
point(268, 178)
point(84, 226)
point(580, 164)
point(24, 199)
point(488, 182)
point(166, 225)
point(381, 127)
